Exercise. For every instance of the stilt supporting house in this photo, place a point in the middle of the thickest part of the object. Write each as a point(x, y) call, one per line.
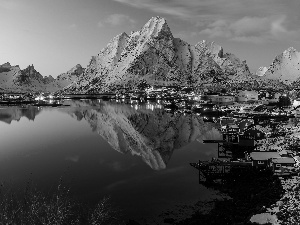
point(214, 170)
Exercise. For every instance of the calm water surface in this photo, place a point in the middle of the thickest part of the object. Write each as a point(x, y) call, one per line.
point(137, 154)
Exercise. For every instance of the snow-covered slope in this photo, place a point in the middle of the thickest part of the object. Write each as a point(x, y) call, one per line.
point(261, 71)
point(285, 67)
point(153, 55)
point(152, 135)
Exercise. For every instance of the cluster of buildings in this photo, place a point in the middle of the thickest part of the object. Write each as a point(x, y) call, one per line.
point(19, 98)
point(247, 143)
point(187, 97)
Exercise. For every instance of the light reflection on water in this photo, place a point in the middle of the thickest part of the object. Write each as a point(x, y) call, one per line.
point(138, 155)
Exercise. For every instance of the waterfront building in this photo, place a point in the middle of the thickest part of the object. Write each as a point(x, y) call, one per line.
point(247, 96)
point(261, 159)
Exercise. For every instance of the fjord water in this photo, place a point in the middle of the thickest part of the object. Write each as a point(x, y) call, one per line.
point(137, 154)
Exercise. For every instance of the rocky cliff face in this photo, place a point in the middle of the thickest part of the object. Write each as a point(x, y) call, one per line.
point(154, 56)
point(228, 62)
point(12, 78)
point(70, 76)
point(152, 135)
point(285, 67)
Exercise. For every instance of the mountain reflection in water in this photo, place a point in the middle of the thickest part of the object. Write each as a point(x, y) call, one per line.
point(151, 134)
point(143, 130)
point(54, 144)
point(9, 114)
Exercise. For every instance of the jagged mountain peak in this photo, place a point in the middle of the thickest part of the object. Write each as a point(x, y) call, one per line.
point(6, 65)
point(30, 70)
point(211, 48)
point(156, 27)
point(289, 53)
point(78, 69)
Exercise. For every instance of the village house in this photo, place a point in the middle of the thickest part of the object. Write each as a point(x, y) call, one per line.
point(244, 124)
point(261, 159)
point(231, 133)
point(282, 165)
point(255, 132)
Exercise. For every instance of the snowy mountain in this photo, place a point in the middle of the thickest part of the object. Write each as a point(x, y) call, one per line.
point(285, 67)
point(151, 135)
point(13, 79)
point(154, 56)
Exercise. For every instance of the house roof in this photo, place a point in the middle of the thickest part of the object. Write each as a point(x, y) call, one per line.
point(285, 152)
point(258, 128)
point(233, 126)
point(284, 160)
point(264, 155)
point(244, 124)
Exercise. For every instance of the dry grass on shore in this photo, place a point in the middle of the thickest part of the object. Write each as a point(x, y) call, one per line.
point(31, 206)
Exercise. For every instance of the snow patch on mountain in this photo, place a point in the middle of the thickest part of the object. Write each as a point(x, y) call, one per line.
point(261, 71)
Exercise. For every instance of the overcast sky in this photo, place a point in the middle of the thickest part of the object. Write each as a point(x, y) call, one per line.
point(55, 35)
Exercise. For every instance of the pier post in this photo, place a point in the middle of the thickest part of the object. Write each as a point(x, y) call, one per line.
point(199, 171)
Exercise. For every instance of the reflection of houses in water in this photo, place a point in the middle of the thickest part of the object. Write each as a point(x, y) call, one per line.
point(151, 105)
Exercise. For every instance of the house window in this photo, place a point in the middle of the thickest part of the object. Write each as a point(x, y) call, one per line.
point(260, 162)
